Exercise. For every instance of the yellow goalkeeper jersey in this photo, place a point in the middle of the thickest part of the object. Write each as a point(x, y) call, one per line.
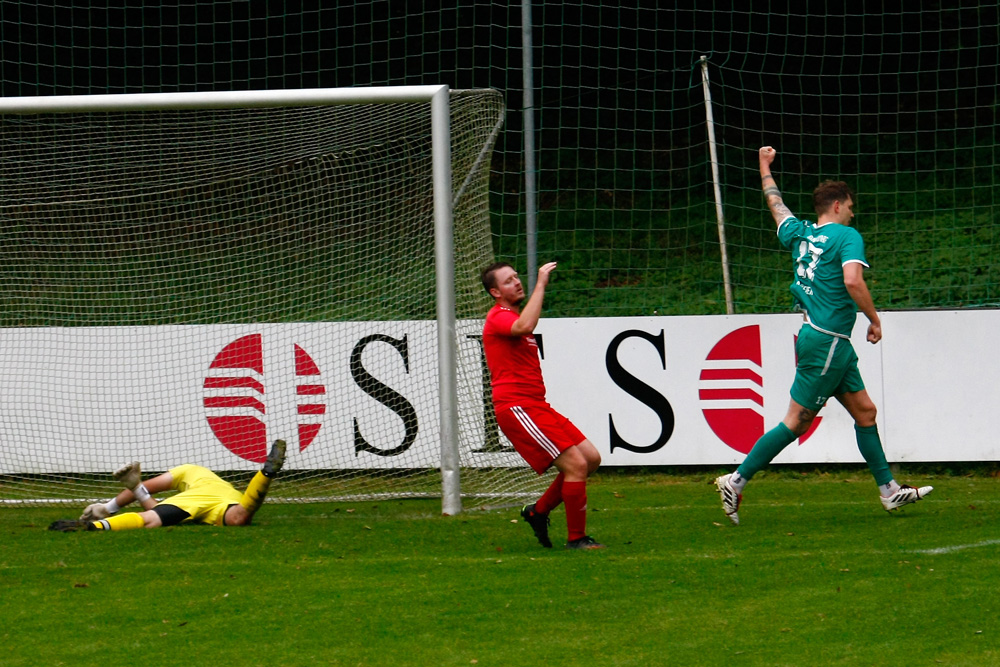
point(202, 494)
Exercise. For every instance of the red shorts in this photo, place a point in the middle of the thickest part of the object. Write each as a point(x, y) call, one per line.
point(538, 433)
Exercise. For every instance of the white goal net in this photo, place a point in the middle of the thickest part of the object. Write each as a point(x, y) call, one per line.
point(186, 285)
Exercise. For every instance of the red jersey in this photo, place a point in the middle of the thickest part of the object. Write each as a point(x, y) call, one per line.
point(515, 371)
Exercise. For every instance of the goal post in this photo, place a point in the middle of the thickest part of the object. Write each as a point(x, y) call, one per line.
point(223, 223)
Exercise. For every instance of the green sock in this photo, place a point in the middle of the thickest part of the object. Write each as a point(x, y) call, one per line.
point(765, 449)
point(870, 445)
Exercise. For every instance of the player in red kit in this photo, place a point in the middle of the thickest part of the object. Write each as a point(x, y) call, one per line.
point(542, 436)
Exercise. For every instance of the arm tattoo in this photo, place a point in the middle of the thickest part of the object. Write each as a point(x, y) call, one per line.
point(775, 203)
point(780, 211)
point(773, 198)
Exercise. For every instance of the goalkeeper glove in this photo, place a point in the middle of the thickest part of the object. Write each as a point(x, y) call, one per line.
point(95, 512)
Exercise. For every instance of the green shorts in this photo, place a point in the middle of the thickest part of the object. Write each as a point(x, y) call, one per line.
point(827, 366)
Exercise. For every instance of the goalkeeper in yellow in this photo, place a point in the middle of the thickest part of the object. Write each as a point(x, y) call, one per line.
point(203, 497)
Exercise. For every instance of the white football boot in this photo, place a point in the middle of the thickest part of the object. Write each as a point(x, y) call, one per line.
point(904, 496)
point(730, 498)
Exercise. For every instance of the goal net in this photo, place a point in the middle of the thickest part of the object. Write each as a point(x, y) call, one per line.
point(188, 284)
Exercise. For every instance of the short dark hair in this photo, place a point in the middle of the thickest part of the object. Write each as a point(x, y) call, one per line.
point(489, 275)
point(828, 192)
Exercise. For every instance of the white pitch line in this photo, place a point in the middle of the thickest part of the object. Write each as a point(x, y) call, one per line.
point(957, 547)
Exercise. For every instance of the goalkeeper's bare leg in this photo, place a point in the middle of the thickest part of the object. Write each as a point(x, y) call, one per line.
point(256, 491)
point(130, 476)
point(103, 516)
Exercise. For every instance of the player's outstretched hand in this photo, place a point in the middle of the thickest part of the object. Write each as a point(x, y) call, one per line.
point(95, 512)
point(766, 154)
point(544, 271)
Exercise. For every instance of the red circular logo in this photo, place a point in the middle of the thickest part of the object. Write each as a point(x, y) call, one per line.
point(733, 380)
point(236, 384)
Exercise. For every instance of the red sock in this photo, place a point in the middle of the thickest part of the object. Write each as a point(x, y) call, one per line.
point(552, 496)
point(575, 497)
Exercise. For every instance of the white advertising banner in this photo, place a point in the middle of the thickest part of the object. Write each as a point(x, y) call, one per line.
point(940, 385)
point(356, 395)
point(701, 390)
point(647, 391)
point(689, 390)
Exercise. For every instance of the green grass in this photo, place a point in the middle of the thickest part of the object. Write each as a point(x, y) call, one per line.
point(817, 574)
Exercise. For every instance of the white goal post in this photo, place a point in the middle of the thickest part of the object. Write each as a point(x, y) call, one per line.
point(436, 97)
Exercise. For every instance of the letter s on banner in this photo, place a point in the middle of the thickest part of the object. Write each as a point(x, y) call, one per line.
point(384, 394)
point(640, 390)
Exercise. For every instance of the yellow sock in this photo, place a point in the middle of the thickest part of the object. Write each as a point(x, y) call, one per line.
point(256, 491)
point(127, 521)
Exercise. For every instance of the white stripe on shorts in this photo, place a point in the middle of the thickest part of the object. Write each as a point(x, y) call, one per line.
point(536, 433)
point(829, 356)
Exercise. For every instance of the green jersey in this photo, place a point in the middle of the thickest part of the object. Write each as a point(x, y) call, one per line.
point(820, 253)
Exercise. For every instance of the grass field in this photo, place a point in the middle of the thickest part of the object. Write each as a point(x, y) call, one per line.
point(817, 573)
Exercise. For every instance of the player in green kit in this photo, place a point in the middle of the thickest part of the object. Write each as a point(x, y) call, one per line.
point(829, 288)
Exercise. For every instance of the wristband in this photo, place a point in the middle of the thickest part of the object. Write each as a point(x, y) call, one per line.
point(141, 493)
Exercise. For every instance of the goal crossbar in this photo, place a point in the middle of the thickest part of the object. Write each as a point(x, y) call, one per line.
point(228, 99)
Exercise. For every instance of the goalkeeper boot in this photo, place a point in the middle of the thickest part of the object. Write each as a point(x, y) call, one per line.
point(275, 459)
point(731, 499)
point(585, 542)
point(539, 523)
point(904, 496)
point(130, 475)
point(70, 525)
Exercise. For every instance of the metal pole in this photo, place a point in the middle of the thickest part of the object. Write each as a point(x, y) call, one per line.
point(710, 122)
point(444, 260)
point(530, 170)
